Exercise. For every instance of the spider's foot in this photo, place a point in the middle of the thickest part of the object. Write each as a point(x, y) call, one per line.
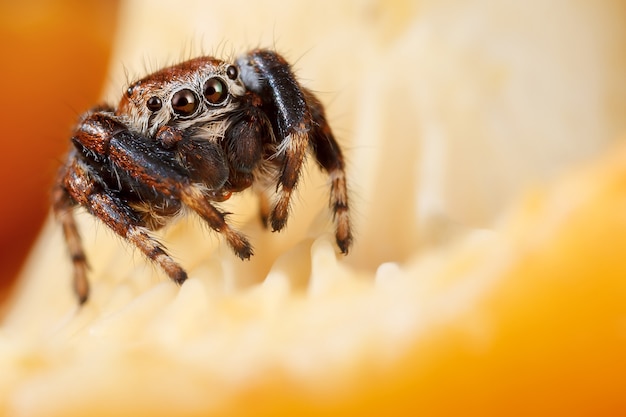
point(240, 245)
point(179, 277)
point(343, 231)
point(278, 217)
point(81, 285)
point(344, 240)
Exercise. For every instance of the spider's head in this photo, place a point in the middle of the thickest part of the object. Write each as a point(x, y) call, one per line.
point(192, 93)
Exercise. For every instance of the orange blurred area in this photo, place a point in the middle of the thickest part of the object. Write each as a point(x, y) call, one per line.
point(55, 56)
point(546, 337)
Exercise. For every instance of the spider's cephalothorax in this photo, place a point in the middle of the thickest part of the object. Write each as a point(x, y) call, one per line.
point(189, 136)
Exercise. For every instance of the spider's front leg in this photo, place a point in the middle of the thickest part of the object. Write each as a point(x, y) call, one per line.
point(299, 123)
point(145, 163)
point(268, 75)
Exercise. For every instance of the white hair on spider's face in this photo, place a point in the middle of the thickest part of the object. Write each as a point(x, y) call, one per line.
point(190, 93)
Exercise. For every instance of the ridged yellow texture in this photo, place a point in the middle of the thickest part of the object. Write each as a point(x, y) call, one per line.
point(450, 304)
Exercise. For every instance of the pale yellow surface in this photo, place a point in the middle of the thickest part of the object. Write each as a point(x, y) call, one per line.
point(450, 304)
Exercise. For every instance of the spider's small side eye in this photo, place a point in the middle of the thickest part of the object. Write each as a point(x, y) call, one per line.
point(232, 72)
point(184, 102)
point(131, 88)
point(154, 104)
point(215, 91)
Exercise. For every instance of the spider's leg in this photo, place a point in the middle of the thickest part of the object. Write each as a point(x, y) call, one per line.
point(268, 75)
point(194, 198)
point(120, 218)
point(141, 161)
point(63, 208)
point(329, 157)
point(297, 144)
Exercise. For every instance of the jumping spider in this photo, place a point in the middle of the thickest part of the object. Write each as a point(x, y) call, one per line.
point(190, 135)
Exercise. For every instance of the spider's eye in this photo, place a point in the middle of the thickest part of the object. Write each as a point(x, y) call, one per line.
point(231, 72)
point(154, 104)
point(184, 102)
point(131, 88)
point(215, 90)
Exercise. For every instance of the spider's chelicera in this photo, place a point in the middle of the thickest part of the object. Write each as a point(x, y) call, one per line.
point(190, 135)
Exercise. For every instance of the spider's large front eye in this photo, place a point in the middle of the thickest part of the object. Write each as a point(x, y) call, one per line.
point(184, 102)
point(215, 90)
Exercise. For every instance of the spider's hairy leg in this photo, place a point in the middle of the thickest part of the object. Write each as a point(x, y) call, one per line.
point(119, 217)
point(268, 74)
point(329, 157)
point(63, 208)
point(194, 198)
point(141, 161)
